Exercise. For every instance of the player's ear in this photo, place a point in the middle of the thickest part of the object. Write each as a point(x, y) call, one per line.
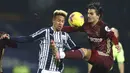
point(99, 16)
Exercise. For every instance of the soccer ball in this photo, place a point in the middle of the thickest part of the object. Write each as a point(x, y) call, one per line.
point(76, 19)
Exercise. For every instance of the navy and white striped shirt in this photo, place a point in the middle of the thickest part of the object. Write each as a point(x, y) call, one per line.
point(46, 59)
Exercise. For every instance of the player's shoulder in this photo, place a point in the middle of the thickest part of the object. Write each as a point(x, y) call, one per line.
point(38, 32)
point(105, 26)
point(42, 30)
point(103, 23)
point(65, 33)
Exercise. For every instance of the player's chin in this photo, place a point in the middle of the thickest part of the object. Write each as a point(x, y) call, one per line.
point(90, 21)
point(59, 29)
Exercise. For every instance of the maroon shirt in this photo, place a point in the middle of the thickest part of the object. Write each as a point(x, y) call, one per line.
point(99, 36)
point(3, 44)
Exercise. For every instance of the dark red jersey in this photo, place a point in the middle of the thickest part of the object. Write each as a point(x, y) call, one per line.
point(3, 44)
point(99, 35)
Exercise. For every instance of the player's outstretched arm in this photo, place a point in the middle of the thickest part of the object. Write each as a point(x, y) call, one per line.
point(72, 29)
point(21, 39)
point(33, 37)
point(115, 36)
point(110, 34)
point(69, 29)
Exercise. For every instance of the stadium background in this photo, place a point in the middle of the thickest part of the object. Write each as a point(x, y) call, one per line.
point(23, 17)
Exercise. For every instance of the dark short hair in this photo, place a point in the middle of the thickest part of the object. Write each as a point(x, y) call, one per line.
point(97, 7)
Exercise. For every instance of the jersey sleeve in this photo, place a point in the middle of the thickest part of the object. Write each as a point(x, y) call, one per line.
point(39, 34)
point(33, 37)
point(110, 34)
point(69, 43)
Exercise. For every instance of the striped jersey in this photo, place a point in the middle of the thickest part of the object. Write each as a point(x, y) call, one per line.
point(45, 35)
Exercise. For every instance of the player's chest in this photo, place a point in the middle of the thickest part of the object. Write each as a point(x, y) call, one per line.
point(94, 35)
point(59, 39)
point(93, 31)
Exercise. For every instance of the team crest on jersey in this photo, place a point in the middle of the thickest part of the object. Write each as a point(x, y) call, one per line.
point(107, 29)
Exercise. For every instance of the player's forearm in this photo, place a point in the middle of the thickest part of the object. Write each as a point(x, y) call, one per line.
point(89, 67)
point(121, 67)
point(69, 29)
point(21, 39)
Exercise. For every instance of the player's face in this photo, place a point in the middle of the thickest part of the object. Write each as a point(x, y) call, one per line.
point(58, 22)
point(92, 16)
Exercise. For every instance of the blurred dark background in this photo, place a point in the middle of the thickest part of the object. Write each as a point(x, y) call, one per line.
point(24, 17)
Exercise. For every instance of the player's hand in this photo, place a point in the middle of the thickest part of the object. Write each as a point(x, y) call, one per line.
point(55, 50)
point(52, 44)
point(4, 35)
point(118, 48)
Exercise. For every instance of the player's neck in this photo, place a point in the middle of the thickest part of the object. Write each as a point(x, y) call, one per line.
point(54, 28)
point(94, 23)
